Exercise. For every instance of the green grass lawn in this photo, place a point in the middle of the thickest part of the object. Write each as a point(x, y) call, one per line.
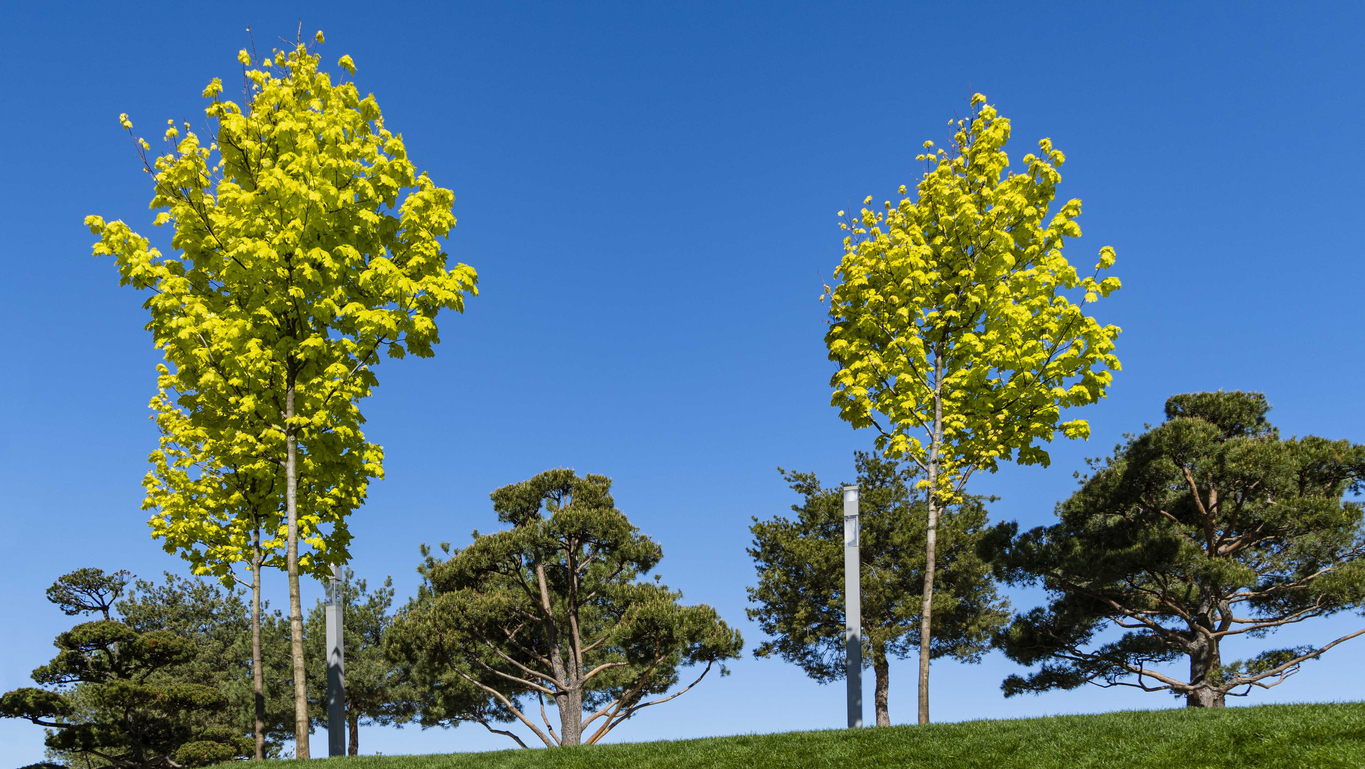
point(1288, 736)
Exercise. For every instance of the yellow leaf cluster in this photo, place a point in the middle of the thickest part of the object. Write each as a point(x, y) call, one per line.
point(306, 246)
point(953, 321)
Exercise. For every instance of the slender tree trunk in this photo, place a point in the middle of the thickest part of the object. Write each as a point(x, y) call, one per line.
point(930, 543)
point(353, 724)
point(291, 493)
point(927, 602)
point(1204, 660)
point(257, 674)
point(882, 670)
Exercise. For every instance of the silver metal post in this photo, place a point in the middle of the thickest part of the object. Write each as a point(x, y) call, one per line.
point(336, 679)
point(853, 609)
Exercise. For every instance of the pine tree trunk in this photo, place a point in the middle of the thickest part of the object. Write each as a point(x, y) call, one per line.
point(353, 746)
point(569, 700)
point(257, 674)
point(882, 670)
point(930, 543)
point(291, 491)
point(570, 706)
point(568, 684)
point(1204, 659)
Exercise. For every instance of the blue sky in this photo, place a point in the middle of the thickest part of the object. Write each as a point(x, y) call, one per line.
point(648, 192)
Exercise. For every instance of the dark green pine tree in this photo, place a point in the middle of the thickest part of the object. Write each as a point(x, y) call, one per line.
point(1205, 529)
point(800, 563)
point(105, 701)
point(219, 622)
point(554, 611)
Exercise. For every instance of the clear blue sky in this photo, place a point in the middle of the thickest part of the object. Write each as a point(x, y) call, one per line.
point(649, 193)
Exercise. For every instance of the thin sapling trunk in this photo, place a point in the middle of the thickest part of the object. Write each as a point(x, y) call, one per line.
point(291, 492)
point(257, 674)
point(930, 542)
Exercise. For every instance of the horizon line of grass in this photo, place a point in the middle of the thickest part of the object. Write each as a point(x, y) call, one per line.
point(1309, 735)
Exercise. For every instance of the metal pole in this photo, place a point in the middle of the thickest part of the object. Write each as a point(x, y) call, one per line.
point(336, 679)
point(853, 610)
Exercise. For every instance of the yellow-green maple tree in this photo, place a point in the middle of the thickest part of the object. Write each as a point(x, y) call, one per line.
point(305, 245)
point(952, 326)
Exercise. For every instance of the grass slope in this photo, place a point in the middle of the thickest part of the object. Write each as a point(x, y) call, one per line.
point(1288, 736)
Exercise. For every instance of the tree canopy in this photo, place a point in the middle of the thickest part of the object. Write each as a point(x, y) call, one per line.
point(953, 325)
point(799, 597)
point(1206, 528)
point(554, 608)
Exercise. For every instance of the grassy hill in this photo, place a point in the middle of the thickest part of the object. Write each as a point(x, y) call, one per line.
point(1279, 736)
